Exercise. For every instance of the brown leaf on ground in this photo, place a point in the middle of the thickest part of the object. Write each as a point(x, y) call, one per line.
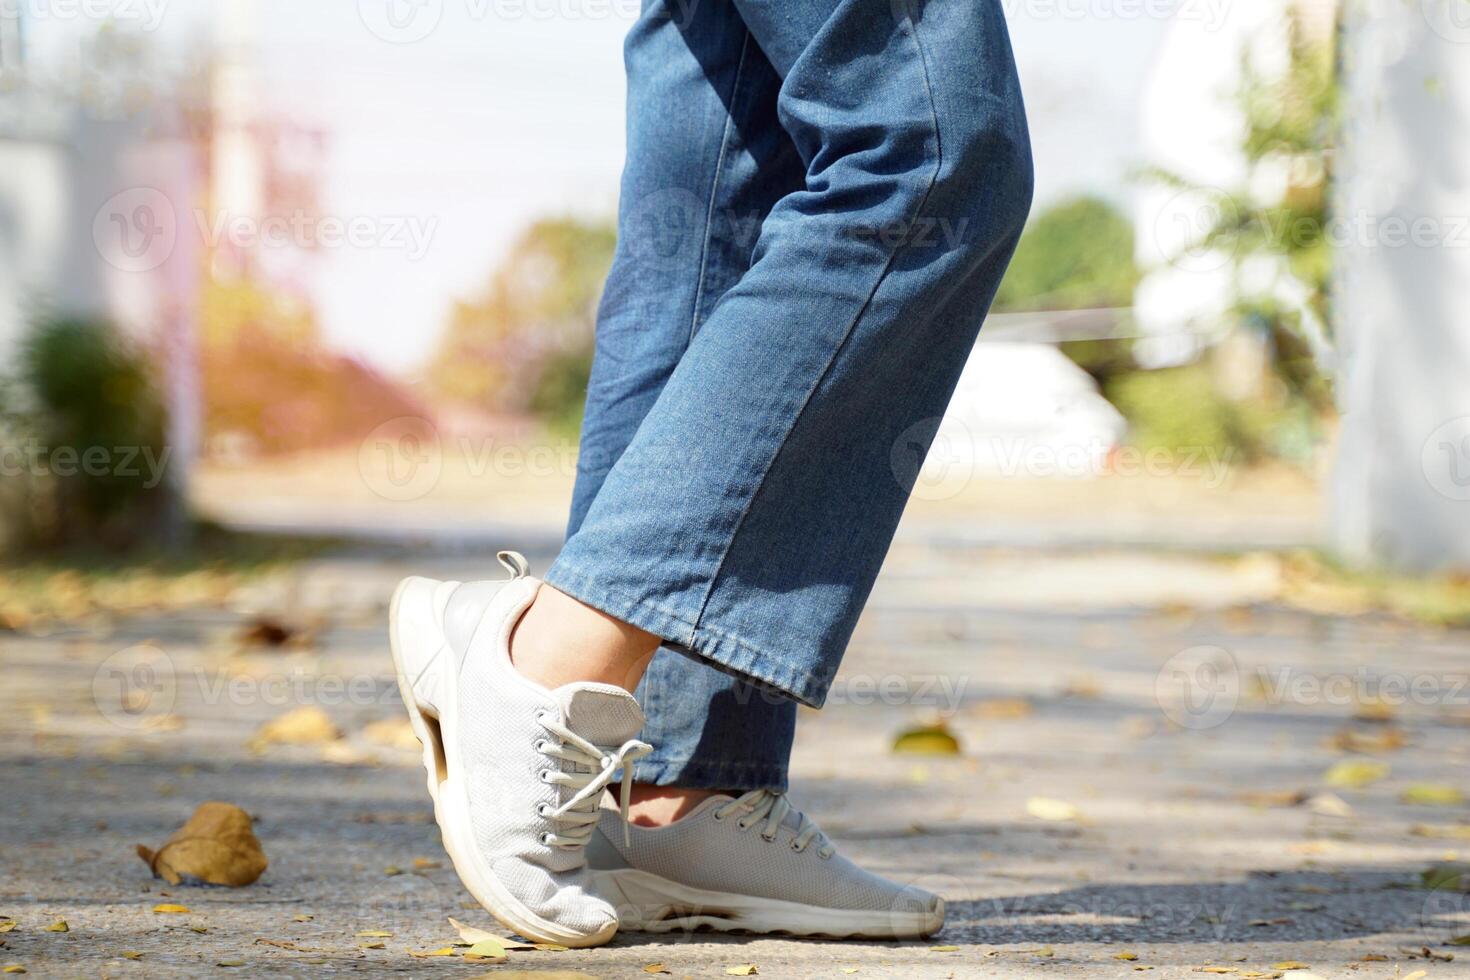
point(1004, 709)
point(270, 632)
point(393, 732)
point(216, 845)
point(472, 935)
point(1386, 739)
point(1273, 798)
point(306, 725)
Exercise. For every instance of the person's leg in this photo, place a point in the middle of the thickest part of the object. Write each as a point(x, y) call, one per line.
point(747, 520)
point(707, 160)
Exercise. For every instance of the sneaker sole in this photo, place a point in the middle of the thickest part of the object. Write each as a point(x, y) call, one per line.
point(649, 903)
point(451, 808)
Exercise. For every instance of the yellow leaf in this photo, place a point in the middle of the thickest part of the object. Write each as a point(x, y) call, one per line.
point(487, 947)
point(1433, 794)
point(216, 845)
point(167, 909)
point(849, 969)
point(424, 863)
point(1290, 965)
point(943, 949)
point(1218, 969)
point(58, 926)
point(1043, 808)
point(375, 934)
point(15, 968)
point(370, 945)
point(1416, 975)
point(926, 740)
point(1355, 773)
point(1125, 956)
point(230, 963)
point(748, 970)
point(8, 925)
point(472, 935)
point(442, 951)
point(303, 918)
point(550, 947)
point(131, 954)
point(199, 929)
point(392, 870)
point(306, 725)
point(655, 968)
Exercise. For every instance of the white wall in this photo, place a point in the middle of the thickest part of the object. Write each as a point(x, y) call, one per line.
point(1401, 491)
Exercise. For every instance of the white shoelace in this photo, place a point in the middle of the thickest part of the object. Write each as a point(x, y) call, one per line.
point(578, 815)
point(773, 807)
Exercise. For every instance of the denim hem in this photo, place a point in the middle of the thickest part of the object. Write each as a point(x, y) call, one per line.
point(703, 642)
point(701, 774)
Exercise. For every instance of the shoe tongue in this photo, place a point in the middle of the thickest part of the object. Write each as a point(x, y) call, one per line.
point(600, 713)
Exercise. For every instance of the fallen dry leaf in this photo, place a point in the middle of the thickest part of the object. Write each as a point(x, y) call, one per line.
point(371, 945)
point(747, 970)
point(1355, 773)
point(216, 845)
point(1045, 808)
point(1416, 975)
point(1352, 740)
point(375, 934)
point(655, 968)
point(1450, 832)
point(58, 926)
point(1290, 965)
point(14, 968)
point(169, 909)
point(1329, 805)
point(926, 740)
point(550, 947)
point(306, 725)
point(1432, 794)
point(486, 951)
point(131, 954)
point(472, 935)
point(1125, 956)
point(943, 949)
point(1004, 709)
point(393, 732)
point(8, 925)
point(441, 951)
point(1273, 798)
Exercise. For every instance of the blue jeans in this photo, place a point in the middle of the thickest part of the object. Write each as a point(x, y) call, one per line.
point(819, 201)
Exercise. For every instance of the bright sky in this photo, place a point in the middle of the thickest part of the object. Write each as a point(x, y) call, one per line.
point(510, 109)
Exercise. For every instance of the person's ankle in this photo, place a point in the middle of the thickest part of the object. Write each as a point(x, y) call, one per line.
point(560, 640)
point(659, 806)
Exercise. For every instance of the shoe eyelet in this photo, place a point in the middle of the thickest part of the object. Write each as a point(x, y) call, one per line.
point(795, 848)
point(545, 839)
point(543, 774)
point(769, 840)
point(540, 745)
point(742, 825)
point(719, 818)
point(543, 810)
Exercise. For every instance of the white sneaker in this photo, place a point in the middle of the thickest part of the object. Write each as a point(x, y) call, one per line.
point(517, 771)
point(751, 864)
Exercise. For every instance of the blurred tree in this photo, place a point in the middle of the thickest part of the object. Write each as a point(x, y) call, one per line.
point(1076, 254)
point(86, 430)
point(1276, 241)
point(528, 340)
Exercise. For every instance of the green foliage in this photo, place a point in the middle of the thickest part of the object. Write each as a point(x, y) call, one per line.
point(1291, 121)
point(90, 437)
point(525, 342)
point(1180, 410)
point(1077, 254)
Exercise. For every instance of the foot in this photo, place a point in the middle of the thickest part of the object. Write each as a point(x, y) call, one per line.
point(517, 771)
point(751, 864)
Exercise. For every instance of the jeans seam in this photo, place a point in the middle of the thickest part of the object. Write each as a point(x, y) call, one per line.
point(851, 327)
point(714, 190)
